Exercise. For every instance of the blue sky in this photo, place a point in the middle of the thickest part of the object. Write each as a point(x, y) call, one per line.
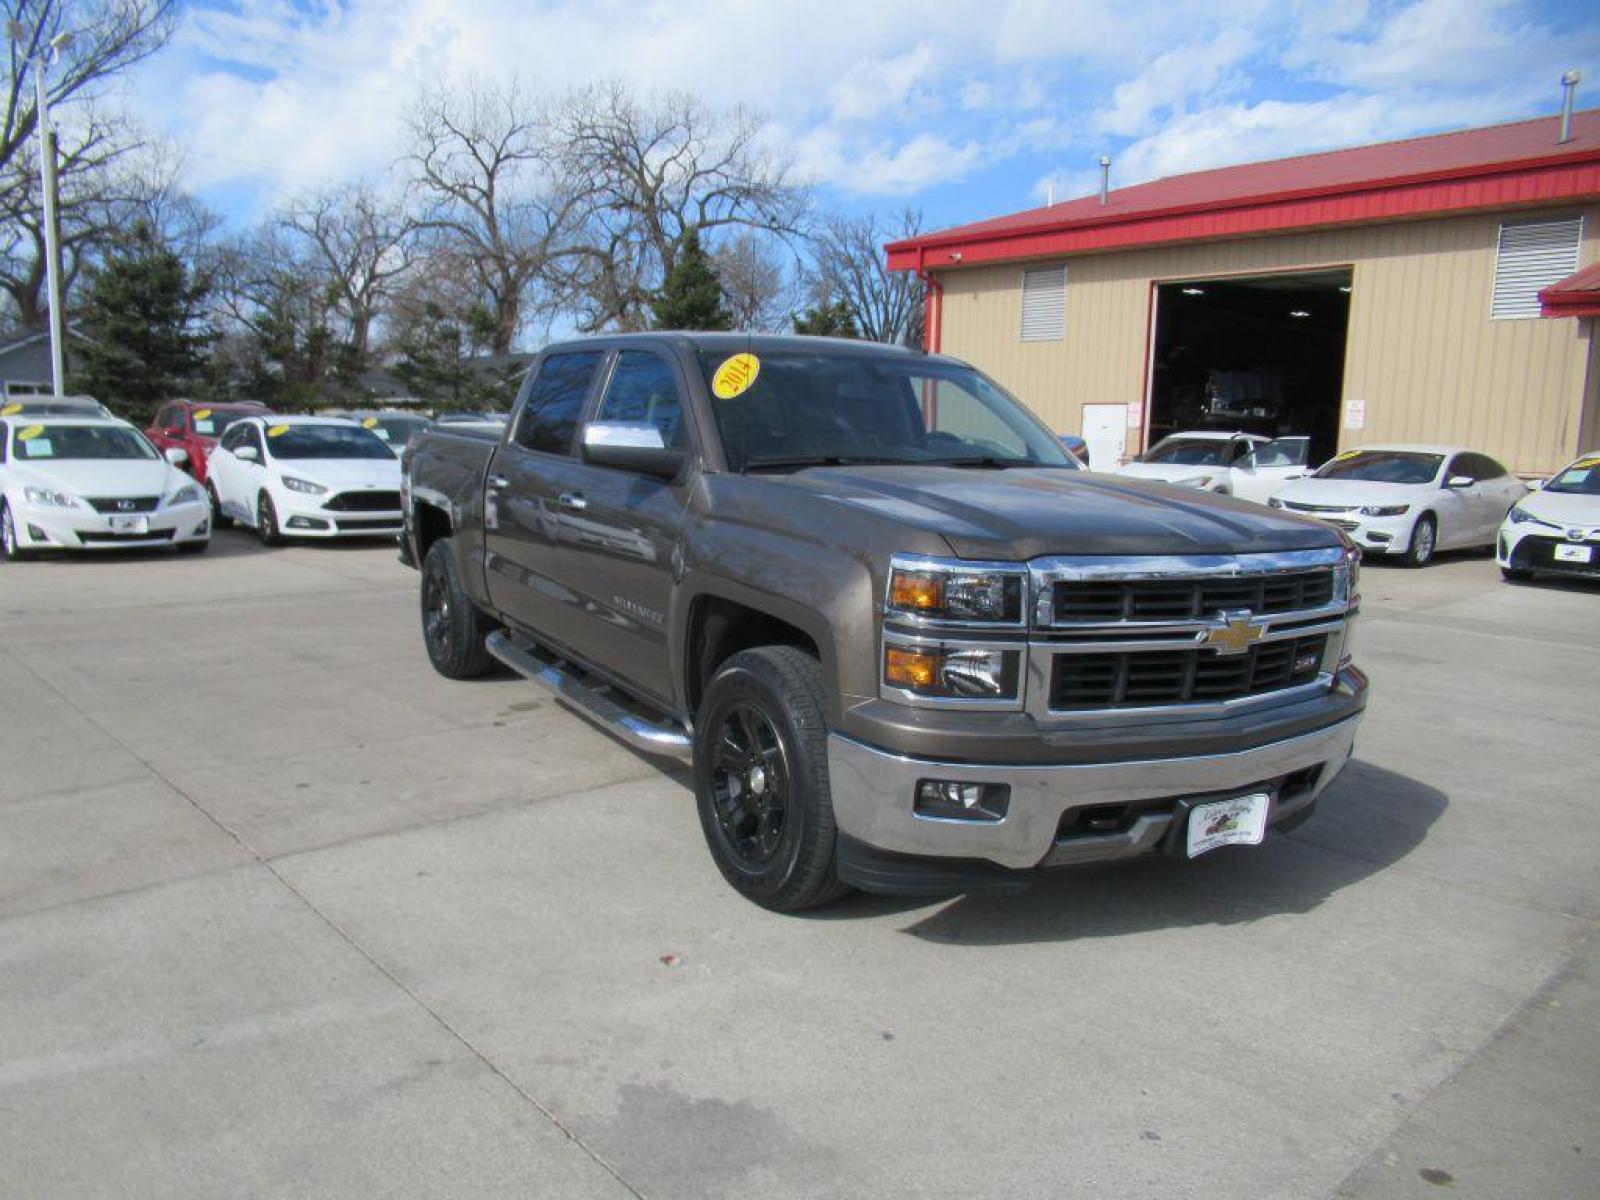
point(964, 109)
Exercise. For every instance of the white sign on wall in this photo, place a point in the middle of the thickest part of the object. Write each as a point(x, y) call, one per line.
point(1135, 415)
point(1355, 414)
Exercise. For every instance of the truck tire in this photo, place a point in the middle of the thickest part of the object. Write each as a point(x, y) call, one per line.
point(453, 630)
point(761, 779)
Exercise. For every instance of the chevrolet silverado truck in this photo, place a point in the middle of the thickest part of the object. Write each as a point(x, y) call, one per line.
point(905, 641)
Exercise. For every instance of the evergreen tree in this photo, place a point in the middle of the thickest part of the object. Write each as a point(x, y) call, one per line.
point(691, 295)
point(827, 320)
point(145, 339)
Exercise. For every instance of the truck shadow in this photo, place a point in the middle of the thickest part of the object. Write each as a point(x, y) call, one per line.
point(1369, 819)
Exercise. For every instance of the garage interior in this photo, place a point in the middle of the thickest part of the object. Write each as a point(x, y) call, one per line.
point(1261, 354)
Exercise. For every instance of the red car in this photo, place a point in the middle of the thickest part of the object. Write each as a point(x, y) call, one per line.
point(194, 428)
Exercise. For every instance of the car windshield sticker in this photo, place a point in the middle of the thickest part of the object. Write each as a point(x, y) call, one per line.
point(1575, 475)
point(1584, 463)
point(735, 375)
point(201, 414)
point(34, 446)
point(28, 434)
point(203, 422)
point(10, 410)
point(1345, 455)
point(277, 431)
point(370, 423)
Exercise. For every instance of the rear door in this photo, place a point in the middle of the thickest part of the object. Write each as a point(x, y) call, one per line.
point(1460, 509)
point(616, 530)
point(1500, 490)
point(529, 474)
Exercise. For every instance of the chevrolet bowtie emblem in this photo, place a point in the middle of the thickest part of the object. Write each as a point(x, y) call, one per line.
point(1235, 633)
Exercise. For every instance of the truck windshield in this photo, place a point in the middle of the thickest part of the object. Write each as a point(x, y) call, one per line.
point(807, 407)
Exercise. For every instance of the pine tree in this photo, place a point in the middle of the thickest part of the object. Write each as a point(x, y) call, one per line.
point(691, 295)
point(145, 340)
point(827, 320)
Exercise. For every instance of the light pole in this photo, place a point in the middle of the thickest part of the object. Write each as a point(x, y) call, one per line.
point(41, 63)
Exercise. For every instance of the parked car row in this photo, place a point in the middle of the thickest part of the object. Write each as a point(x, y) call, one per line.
point(72, 478)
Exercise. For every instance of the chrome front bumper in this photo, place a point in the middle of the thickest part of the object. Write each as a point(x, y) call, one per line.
point(874, 792)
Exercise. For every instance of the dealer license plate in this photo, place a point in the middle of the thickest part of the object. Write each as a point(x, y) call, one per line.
point(130, 524)
point(1573, 553)
point(1237, 821)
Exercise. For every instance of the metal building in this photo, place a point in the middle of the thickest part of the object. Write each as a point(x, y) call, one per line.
point(1440, 289)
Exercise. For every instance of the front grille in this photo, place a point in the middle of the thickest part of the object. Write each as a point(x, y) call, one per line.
point(1538, 552)
point(1189, 599)
point(155, 535)
point(364, 502)
point(373, 524)
point(1139, 679)
point(114, 504)
point(1316, 508)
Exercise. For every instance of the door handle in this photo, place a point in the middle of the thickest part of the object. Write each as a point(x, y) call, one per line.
point(498, 481)
point(573, 501)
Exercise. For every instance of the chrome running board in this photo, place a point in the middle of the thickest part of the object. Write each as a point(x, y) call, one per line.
point(589, 699)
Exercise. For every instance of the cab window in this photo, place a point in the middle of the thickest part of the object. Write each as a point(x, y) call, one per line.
point(549, 418)
point(644, 388)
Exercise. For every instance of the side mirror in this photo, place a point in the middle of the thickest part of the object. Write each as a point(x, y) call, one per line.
point(247, 454)
point(1535, 484)
point(1459, 482)
point(176, 455)
point(631, 446)
point(173, 431)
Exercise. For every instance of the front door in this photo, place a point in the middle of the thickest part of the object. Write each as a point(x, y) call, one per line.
point(1105, 432)
point(618, 532)
point(528, 477)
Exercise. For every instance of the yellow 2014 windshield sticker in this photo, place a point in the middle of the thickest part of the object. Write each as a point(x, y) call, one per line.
point(735, 375)
point(10, 410)
point(1586, 463)
point(200, 414)
point(1345, 455)
point(369, 423)
point(28, 434)
point(277, 430)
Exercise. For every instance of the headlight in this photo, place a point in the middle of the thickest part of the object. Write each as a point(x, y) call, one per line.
point(1385, 510)
point(953, 672)
point(1347, 578)
point(187, 494)
point(303, 485)
point(1518, 515)
point(48, 498)
point(949, 591)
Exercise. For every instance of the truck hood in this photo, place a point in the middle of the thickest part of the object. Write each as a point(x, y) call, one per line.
point(1021, 514)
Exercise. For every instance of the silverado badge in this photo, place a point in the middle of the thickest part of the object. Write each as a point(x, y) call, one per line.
point(1234, 633)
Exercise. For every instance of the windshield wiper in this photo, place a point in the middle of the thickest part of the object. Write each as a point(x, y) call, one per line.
point(984, 460)
point(779, 462)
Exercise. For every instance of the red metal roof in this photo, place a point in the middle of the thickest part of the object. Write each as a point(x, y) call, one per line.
point(1498, 166)
point(1578, 295)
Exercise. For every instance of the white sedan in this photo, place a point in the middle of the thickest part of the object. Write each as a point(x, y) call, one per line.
point(1408, 500)
point(93, 483)
point(314, 477)
point(1245, 465)
point(1557, 527)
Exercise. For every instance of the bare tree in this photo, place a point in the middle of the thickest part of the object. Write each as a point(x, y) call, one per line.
point(271, 288)
point(851, 268)
point(756, 284)
point(647, 174)
point(489, 181)
point(108, 36)
point(363, 246)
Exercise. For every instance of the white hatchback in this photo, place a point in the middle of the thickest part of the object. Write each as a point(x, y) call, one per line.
point(93, 483)
point(1245, 465)
point(312, 477)
point(1408, 501)
point(1556, 529)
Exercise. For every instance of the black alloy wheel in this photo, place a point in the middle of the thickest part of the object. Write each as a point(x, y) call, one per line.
point(267, 521)
point(750, 786)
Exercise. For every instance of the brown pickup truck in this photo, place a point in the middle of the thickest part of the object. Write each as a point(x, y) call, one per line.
point(906, 641)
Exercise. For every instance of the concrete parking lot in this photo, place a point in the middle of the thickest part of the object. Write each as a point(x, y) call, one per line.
point(283, 913)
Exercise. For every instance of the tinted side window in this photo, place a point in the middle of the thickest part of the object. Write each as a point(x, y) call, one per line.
point(1461, 464)
point(234, 437)
point(167, 419)
point(645, 388)
point(1484, 467)
point(550, 417)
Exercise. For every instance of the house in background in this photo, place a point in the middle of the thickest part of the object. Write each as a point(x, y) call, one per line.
point(25, 361)
point(1438, 289)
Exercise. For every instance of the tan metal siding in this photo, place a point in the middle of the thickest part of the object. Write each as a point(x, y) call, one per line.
point(1422, 353)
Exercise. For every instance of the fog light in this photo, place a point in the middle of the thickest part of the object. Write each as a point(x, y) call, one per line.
point(37, 534)
point(305, 523)
point(1379, 539)
point(951, 800)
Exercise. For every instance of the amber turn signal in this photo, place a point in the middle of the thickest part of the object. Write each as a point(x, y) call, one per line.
point(911, 668)
point(916, 591)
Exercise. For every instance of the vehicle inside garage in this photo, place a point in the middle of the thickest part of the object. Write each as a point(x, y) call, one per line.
point(1262, 354)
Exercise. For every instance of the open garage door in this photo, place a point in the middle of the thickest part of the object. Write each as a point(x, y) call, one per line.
point(1260, 354)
